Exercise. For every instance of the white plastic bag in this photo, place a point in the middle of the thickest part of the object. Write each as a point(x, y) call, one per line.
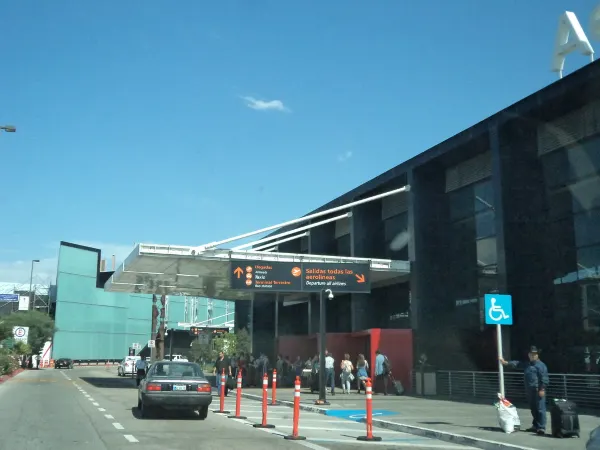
point(508, 417)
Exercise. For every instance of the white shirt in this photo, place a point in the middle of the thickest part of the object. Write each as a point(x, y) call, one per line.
point(329, 362)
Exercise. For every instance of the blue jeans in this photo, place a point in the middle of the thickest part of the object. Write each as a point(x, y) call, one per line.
point(219, 383)
point(330, 379)
point(537, 406)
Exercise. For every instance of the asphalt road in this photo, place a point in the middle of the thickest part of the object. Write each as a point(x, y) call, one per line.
point(92, 407)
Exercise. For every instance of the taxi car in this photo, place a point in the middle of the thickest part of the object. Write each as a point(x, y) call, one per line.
point(174, 385)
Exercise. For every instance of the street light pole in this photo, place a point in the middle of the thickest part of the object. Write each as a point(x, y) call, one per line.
point(31, 297)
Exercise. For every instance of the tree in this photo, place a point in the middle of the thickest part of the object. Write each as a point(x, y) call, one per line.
point(202, 353)
point(243, 341)
point(226, 343)
point(41, 327)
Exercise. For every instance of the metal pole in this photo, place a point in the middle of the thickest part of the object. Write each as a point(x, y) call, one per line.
point(295, 230)
point(500, 366)
point(201, 248)
point(322, 347)
point(31, 300)
point(282, 241)
point(171, 333)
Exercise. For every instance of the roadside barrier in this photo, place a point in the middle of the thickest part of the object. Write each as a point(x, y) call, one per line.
point(369, 419)
point(274, 388)
point(265, 401)
point(238, 399)
point(222, 395)
point(295, 436)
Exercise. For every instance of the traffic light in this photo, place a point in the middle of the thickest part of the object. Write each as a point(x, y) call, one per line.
point(194, 331)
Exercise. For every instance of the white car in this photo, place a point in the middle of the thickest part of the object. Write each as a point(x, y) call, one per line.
point(127, 366)
point(179, 358)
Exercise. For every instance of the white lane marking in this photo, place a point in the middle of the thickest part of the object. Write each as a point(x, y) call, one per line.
point(82, 391)
point(108, 416)
point(91, 399)
point(96, 404)
point(101, 409)
point(118, 426)
point(87, 395)
point(130, 438)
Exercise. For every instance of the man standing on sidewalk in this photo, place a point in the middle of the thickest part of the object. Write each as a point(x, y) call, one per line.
point(536, 382)
point(221, 364)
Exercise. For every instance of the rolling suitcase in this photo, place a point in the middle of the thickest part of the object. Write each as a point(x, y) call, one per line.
point(564, 419)
point(397, 386)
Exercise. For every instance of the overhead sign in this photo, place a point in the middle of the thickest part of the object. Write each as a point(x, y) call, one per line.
point(498, 309)
point(23, 302)
point(300, 277)
point(9, 298)
point(21, 334)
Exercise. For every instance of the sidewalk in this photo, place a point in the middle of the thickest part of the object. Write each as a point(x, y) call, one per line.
point(458, 423)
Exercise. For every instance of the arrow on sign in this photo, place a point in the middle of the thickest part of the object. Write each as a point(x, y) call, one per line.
point(238, 272)
point(359, 278)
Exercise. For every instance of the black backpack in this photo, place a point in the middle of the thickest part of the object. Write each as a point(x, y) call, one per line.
point(387, 366)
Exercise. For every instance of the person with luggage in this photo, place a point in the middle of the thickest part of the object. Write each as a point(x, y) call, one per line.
point(383, 370)
point(536, 381)
point(222, 364)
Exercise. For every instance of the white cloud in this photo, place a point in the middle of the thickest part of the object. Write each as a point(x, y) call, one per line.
point(17, 272)
point(265, 105)
point(344, 156)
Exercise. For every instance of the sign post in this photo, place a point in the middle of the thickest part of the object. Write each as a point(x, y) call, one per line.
point(498, 311)
point(326, 278)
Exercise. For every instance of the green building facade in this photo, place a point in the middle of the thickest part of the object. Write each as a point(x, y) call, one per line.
point(93, 324)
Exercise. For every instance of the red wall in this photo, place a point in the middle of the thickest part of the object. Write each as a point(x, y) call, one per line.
point(396, 344)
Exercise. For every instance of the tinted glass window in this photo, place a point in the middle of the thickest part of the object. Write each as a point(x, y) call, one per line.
point(176, 370)
point(587, 228)
point(484, 196)
point(394, 226)
point(461, 203)
point(485, 224)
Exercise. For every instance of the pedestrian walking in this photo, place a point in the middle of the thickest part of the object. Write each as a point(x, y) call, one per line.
point(536, 381)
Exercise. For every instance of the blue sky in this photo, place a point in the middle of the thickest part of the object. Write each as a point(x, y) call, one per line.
point(139, 122)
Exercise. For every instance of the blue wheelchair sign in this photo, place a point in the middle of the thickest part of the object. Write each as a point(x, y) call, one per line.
point(498, 309)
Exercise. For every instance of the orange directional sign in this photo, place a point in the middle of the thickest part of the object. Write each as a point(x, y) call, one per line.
point(300, 277)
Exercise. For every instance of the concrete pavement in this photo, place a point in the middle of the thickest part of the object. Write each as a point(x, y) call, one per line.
point(89, 406)
point(457, 423)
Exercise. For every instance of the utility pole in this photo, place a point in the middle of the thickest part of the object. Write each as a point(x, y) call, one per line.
point(32, 294)
point(153, 328)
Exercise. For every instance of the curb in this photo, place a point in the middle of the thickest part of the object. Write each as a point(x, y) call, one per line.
point(444, 436)
point(5, 378)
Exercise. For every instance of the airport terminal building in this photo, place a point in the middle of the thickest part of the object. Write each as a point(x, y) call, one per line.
point(511, 205)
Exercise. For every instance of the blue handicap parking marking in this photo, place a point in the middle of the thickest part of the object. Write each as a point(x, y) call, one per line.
point(358, 414)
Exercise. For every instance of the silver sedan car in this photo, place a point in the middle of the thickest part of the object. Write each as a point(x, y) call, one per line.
point(174, 385)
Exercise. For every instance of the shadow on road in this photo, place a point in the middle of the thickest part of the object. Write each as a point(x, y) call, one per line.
point(111, 383)
point(166, 414)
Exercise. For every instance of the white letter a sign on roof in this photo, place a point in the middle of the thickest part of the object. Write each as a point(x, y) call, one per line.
point(569, 38)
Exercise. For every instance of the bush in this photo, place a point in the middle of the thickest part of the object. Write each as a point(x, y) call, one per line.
point(9, 362)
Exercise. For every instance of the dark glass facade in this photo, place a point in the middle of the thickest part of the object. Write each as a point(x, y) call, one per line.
point(511, 205)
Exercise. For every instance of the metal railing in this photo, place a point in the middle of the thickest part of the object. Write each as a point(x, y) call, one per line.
point(582, 389)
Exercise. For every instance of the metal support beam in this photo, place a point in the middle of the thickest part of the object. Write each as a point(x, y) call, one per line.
point(270, 244)
point(295, 230)
point(326, 212)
